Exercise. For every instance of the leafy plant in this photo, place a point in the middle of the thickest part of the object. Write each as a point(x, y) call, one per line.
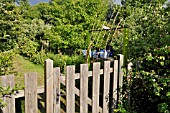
point(6, 67)
point(7, 92)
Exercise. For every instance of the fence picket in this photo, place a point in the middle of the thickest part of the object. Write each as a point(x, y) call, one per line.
point(48, 86)
point(96, 87)
point(30, 93)
point(8, 81)
point(121, 58)
point(106, 86)
point(70, 93)
point(56, 87)
point(115, 80)
point(83, 88)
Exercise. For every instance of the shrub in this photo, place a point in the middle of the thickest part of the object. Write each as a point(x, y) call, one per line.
point(6, 62)
point(58, 60)
point(28, 47)
point(150, 83)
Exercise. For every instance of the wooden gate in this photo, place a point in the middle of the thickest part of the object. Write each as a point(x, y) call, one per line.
point(53, 80)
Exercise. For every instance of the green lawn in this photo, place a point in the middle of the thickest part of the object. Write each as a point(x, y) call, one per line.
point(23, 65)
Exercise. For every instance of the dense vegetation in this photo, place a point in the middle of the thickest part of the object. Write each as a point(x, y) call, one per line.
point(62, 28)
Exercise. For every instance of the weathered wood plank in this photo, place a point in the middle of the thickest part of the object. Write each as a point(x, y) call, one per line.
point(83, 88)
point(20, 93)
point(121, 61)
point(56, 90)
point(96, 87)
point(77, 92)
point(40, 89)
point(77, 75)
point(30, 92)
point(48, 86)
point(106, 86)
point(70, 93)
point(115, 84)
point(8, 81)
point(129, 77)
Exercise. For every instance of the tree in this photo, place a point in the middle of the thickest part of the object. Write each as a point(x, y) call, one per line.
point(73, 20)
point(8, 23)
point(149, 50)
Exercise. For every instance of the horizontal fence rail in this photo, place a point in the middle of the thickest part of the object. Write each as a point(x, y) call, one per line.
point(112, 80)
point(40, 89)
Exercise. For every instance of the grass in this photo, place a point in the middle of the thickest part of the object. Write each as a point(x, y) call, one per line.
point(22, 65)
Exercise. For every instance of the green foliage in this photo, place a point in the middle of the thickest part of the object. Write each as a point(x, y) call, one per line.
point(120, 109)
point(74, 21)
point(65, 24)
point(8, 92)
point(59, 60)
point(6, 63)
point(148, 50)
point(8, 21)
point(28, 48)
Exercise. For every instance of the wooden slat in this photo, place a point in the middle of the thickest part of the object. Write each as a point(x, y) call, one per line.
point(48, 86)
point(30, 93)
point(121, 58)
point(56, 101)
point(20, 93)
point(8, 81)
point(83, 88)
point(129, 75)
point(70, 93)
point(77, 92)
point(115, 84)
point(106, 86)
point(96, 88)
point(77, 75)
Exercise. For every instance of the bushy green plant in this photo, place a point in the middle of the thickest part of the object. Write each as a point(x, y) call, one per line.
point(149, 84)
point(6, 67)
point(8, 91)
point(58, 60)
point(39, 58)
point(28, 47)
point(149, 51)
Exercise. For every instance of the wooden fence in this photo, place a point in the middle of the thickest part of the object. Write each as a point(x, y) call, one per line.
point(53, 80)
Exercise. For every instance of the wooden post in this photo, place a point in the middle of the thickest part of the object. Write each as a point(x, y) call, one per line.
point(8, 81)
point(83, 88)
point(70, 92)
point(56, 90)
point(106, 86)
point(121, 61)
point(48, 86)
point(96, 87)
point(30, 93)
point(129, 77)
point(115, 84)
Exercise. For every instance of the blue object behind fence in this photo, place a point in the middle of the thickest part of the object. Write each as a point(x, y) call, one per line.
point(96, 54)
point(103, 54)
point(85, 52)
point(111, 53)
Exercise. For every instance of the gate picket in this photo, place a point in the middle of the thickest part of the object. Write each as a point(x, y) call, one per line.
point(70, 92)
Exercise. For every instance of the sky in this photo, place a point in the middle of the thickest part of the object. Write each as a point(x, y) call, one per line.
point(33, 2)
